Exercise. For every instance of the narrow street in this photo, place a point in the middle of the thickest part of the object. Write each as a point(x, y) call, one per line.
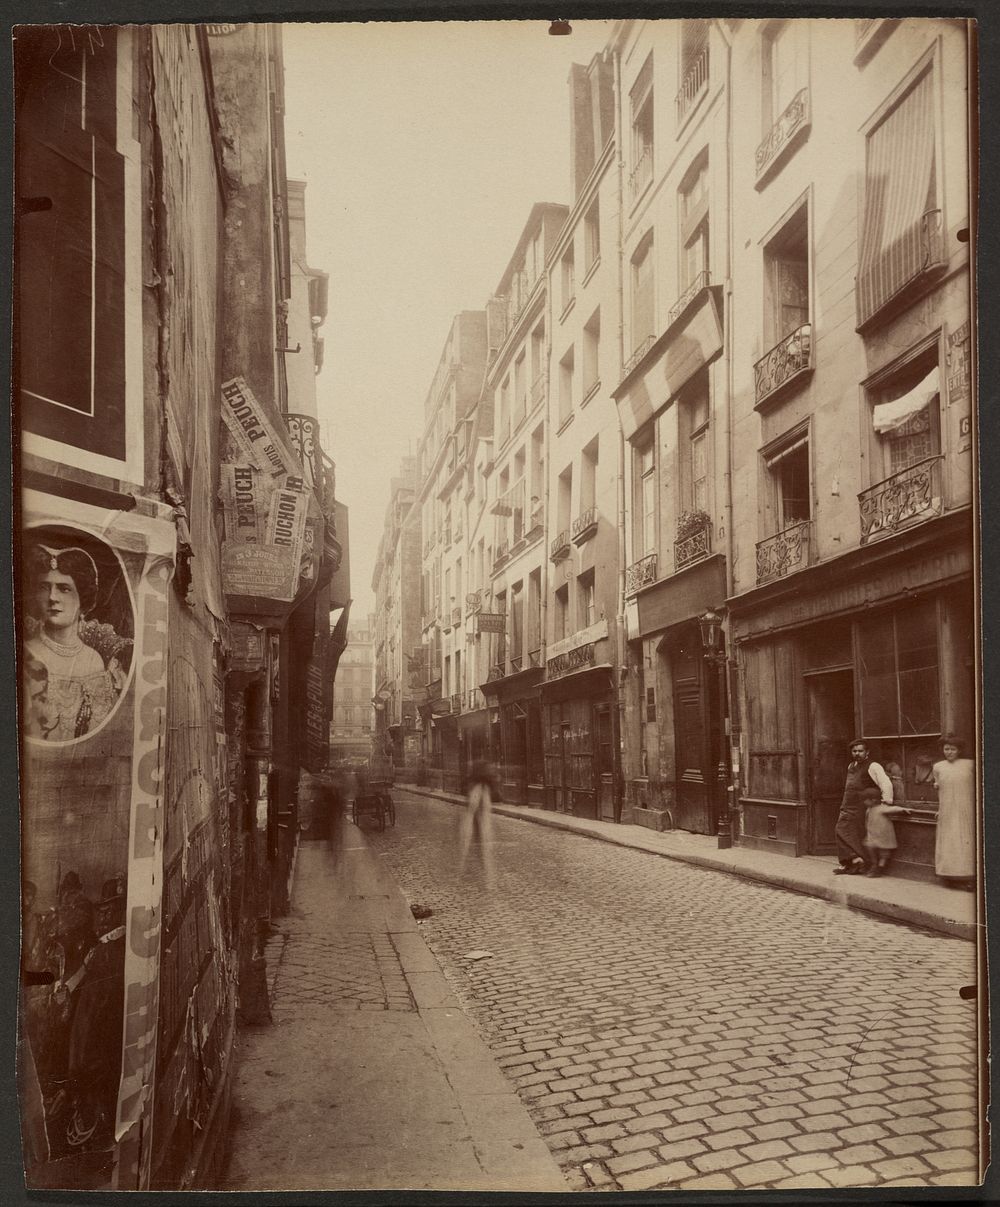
point(668, 1027)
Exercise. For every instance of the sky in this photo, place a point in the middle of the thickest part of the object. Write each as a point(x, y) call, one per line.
point(423, 146)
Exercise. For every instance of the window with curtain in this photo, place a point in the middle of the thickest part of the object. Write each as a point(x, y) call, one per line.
point(900, 218)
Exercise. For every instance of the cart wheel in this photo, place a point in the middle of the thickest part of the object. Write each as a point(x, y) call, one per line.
point(392, 812)
point(354, 811)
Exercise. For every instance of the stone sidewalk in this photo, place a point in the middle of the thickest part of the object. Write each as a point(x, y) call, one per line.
point(370, 1076)
point(933, 906)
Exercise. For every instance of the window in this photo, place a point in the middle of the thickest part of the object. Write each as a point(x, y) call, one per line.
point(592, 236)
point(534, 619)
point(906, 413)
point(537, 487)
point(586, 605)
point(694, 64)
point(641, 103)
point(901, 221)
point(642, 294)
point(566, 386)
point(591, 349)
point(786, 279)
point(520, 390)
point(588, 475)
point(567, 274)
point(900, 686)
point(693, 209)
point(565, 500)
point(504, 426)
point(784, 69)
point(70, 238)
point(537, 364)
point(694, 437)
point(517, 621)
point(562, 612)
point(501, 647)
point(787, 464)
point(644, 462)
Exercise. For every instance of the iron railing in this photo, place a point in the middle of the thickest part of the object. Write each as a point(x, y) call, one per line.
point(641, 349)
point(793, 355)
point(795, 117)
point(559, 546)
point(699, 283)
point(642, 173)
point(784, 553)
point(911, 494)
point(640, 574)
point(693, 547)
point(694, 80)
point(585, 525)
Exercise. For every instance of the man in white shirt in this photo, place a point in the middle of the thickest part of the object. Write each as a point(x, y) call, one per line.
point(866, 782)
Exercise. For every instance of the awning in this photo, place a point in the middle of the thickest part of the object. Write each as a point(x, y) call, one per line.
point(888, 416)
point(592, 681)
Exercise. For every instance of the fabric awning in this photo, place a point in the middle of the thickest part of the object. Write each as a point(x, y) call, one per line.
point(887, 416)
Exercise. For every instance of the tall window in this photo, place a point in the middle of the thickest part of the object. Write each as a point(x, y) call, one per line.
point(786, 278)
point(566, 373)
point(592, 236)
point(562, 612)
point(591, 351)
point(588, 475)
point(520, 390)
point(693, 210)
point(567, 273)
point(906, 415)
point(900, 685)
point(693, 65)
point(565, 499)
point(586, 603)
point(694, 436)
point(642, 293)
point(537, 487)
point(641, 104)
point(787, 463)
point(901, 221)
point(644, 460)
point(784, 69)
point(537, 364)
point(504, 425)
point(534, 618)
point(517, 621)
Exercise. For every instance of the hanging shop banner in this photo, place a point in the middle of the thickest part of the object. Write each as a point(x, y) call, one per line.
point(491, 622)
point(93, 700)
point(270, 551)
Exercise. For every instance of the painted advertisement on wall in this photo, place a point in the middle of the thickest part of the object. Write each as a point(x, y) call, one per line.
point(93, 691)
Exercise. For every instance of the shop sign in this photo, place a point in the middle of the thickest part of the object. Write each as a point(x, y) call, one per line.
point(593, 632)
point(572, 660)
point(491, 622)
point(269, 549)
point(318, 708)
point(92, 825)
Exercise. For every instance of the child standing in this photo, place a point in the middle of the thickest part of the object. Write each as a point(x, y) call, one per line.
point(880, 835)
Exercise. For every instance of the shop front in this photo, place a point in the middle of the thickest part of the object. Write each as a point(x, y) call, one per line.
point(515, 734)
point(878, 645)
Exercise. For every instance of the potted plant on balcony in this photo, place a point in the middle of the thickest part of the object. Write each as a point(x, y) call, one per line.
point(691, 522)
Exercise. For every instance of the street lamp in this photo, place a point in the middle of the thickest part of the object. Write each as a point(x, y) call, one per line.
point(710, 628)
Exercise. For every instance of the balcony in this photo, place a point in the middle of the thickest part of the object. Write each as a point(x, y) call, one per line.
point(456, 703)
point(787, 132)
point(535, 657)
point(784, 363)
point(516, 665)
point(888, 284)
point(456, 617)
point(783, 553)
point(700, 282)
point(694, 544)
point(641, 174)
point(640, 351)
point(501, 553)
point(912, 495)
point(559, 547)
point(694, 81)
point(640, 574)
point(584, 526)
point(473, 603)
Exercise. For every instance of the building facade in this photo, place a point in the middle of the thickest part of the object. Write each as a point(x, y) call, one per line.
point(352, 724)
point(150, 366)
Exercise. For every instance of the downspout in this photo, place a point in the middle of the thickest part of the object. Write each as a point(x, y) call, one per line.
point(620, 625)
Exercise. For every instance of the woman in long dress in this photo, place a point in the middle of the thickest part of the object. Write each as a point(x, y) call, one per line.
point(955, 845)
point(68, 689)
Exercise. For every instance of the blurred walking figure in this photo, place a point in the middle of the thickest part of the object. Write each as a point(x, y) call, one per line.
point(477, 821)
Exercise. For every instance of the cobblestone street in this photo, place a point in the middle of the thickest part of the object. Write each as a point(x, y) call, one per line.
point(670, 1026)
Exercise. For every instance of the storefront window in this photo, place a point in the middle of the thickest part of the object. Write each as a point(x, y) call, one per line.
point(898, 655)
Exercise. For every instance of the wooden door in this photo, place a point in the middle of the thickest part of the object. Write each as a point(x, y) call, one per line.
point(604, 740)
point(831, 728)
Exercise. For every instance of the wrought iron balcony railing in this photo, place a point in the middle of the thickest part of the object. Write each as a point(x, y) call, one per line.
point(642, 173)
point(640, 351)
point(911, 495)
point(784, 362)
point(473, 602)
point(535, 656)
point(695, 79)
point(516, 664)
point(456, 702)
point(585, 525)
point(640, 574)
point(784, 553)
point(559, 546)
point(303, 433)
point(700, 282)
point(693, 547)
point(794, 118)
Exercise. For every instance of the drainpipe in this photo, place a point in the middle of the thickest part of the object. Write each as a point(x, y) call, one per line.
point(620, 625)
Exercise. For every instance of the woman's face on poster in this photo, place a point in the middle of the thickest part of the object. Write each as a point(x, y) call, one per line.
point(57, 600)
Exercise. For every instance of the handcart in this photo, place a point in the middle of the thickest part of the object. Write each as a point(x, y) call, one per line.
point(374, 797)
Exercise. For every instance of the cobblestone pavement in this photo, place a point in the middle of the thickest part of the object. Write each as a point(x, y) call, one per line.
point(670, 1026)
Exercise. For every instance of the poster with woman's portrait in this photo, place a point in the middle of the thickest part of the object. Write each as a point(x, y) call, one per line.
point(92, 678)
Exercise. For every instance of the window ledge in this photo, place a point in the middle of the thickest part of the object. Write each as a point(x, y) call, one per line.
point(693, 107)
point(590, 393)
point(592, 269)
point(633, 204)
point(567, 308)
point(564, 424)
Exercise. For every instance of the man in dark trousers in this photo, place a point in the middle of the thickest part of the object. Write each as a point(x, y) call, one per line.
point(866, 783)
